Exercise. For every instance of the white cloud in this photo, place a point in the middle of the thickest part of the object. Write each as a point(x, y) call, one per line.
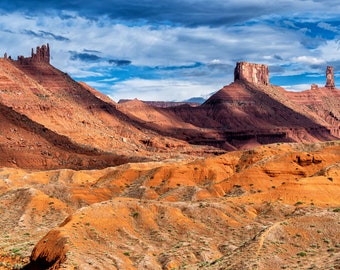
point(215, 61)
point(297, 87)
point(147, 45)
point(328, 27)
point(166, 90)
point(308, 60)
point(330, 50)
point(109, 80)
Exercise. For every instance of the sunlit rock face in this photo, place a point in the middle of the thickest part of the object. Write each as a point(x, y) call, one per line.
point(253, 73)
point(330, 77)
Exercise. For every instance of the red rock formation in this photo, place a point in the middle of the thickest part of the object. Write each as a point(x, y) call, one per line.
point(242, 114)
point(42, 55)
point(225, 208)
point(314, 87)
point(253, 73)
point(330, 77)
point(245, 114)
point(51, 102)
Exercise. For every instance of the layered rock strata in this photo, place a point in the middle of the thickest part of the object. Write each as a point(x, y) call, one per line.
point(330, 77)
point(253, 73)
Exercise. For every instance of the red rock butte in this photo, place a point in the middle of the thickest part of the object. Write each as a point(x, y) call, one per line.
point(259, 74)
point(253, 73)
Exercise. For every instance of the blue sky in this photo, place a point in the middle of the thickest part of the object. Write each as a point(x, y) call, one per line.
point(176, 49)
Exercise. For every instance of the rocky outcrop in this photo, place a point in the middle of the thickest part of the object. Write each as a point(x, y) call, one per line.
point(51, 113)
point(42, 54)
point(166, 214)
point(330, 77)
point(314, 87)
point(253, 73)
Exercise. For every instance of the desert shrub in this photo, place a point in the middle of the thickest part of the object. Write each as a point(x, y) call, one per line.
point(134, 214)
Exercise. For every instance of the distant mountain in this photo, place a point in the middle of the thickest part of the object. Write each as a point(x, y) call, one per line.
point(164, 104)
point(199, 100)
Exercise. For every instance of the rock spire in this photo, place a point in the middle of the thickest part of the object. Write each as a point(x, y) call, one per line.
point(42, 55)
point(330, 77)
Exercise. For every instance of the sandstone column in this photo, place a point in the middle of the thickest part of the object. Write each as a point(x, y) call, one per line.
point(330, 77)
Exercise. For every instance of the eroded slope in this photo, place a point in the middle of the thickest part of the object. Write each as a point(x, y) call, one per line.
point(228, 211)
point(243, 115)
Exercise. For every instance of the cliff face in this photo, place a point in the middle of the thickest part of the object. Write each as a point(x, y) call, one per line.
point(323, 102)
point(253, 73)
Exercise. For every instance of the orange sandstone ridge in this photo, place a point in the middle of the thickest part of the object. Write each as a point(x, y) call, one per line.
point(235, 210)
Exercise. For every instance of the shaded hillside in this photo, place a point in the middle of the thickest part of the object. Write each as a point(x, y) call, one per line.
point(32, 87)
point(265, 114)
point(247, 113)
point(325, 102)
point(156, 118)
point(27, 144)
point(233, 210)
point(243, 115)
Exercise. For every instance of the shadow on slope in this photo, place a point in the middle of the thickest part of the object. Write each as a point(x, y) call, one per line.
point(27, 144)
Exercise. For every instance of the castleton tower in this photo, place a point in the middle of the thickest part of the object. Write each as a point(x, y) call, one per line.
point(330, 77)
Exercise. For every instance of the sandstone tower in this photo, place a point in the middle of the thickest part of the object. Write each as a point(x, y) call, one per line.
point(42, 55)
point(330, 77)
point(253, 73)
